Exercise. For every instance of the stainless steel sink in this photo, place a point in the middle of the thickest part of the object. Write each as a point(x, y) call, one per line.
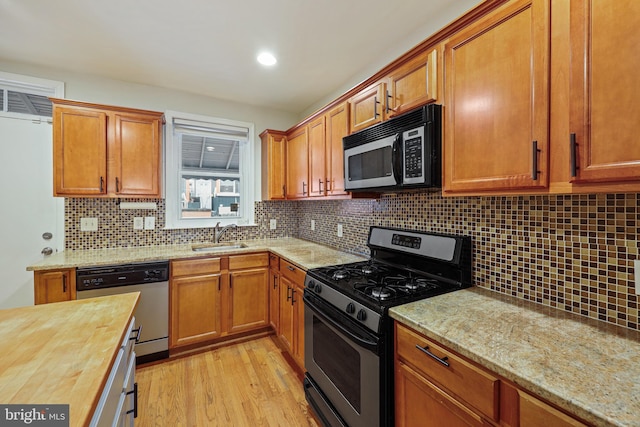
point(216, 247)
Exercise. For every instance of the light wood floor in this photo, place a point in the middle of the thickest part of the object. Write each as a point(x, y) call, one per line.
point(245, 384)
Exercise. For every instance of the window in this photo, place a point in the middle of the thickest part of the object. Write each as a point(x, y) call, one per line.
point(26, 97)
point(210, 172)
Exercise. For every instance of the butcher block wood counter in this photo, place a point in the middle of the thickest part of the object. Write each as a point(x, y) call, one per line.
point(62, 353)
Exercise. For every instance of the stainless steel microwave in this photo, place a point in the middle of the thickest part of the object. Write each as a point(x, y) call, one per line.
point(401, 153)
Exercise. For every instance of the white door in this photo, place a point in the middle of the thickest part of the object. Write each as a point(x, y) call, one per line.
point(27, 206)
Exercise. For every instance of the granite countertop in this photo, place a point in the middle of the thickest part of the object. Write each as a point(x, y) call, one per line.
point(303, 253)
point(590, 368)
point(62, 353)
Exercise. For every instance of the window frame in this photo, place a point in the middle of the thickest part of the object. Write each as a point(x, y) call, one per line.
point(30, 85)
point(174, 171)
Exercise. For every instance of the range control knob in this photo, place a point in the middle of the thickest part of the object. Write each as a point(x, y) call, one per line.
point(318, 288)
point(362, 315)
point(351, 308)
point(311, 284)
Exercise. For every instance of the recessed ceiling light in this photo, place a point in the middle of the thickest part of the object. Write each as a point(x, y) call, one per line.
point(209, 148)
point(265, 58)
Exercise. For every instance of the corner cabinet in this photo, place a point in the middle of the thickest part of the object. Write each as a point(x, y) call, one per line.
point(105, 151)
point(497, 96)
point(54, 285)
point(434, 387)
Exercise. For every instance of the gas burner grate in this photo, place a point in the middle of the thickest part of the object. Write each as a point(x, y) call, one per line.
point(390, 287)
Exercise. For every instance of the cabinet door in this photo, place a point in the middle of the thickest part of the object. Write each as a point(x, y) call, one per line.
point(497, 115)
point(534, 413)
point(420, 403)
point(287, 318)
point(195, 309)
point(274, 300)
point(317, 175)
point(413, 84)
point(366, 107)
point(604, 90)
point(298, 307)
point(54, 286)
point(298, 164)
point(248, 299)
point(273, 166)
point(337, 127)
point(135, 155)
point(79, 151)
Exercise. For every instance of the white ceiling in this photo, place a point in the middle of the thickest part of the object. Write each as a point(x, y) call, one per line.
point(209, 47)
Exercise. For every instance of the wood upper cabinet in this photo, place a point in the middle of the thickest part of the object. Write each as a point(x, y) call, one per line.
point(248, 292)
point(297, 169)
point(273, 164)
point(337, 127)
point(54, 285)
point(108, 151)
point(317, 157)
point(497, 101)
point(366, 108)
point(604, 86)
point(412, 84)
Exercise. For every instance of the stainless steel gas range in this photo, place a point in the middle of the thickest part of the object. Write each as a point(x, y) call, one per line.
point(348, 332)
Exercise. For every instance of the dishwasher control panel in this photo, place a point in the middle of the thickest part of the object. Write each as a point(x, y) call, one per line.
point(121, 275)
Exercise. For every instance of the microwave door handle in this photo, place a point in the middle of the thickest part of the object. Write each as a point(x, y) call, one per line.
point(396, 159)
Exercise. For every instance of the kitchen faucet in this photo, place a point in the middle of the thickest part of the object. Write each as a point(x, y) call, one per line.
point(218, 232)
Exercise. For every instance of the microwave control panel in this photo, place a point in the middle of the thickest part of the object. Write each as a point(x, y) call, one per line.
point(413, 150)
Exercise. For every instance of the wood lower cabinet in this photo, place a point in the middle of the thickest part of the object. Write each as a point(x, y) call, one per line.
point(248, 292)
point(54, 285)
point(274, 292)
point(101, 150)
point(436, 387)
point(292, 310)
point(195, 301)
point(216, 297)
point(497, 101)
point(274, 166)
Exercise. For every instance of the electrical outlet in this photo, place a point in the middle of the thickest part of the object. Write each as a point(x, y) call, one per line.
point(149, 222)
point(313, 224)
point(138, 223)
point(272, 224)
point(339, 230)
point(88, 224)
point(636, 273)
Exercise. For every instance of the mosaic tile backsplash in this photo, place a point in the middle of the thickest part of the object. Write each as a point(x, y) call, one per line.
point(572, 252)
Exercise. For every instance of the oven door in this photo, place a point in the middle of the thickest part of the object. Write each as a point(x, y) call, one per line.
point(343, 361)
point(372, 164)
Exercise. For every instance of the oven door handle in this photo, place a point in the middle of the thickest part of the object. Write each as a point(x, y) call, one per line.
point(368, 344)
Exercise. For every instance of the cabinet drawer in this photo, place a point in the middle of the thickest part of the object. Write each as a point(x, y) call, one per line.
point(470, 383)
point(274, 262)
point(237, 262)
point(292, 272)
point(195, 267)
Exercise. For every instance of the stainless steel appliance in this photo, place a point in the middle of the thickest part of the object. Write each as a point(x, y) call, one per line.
point(401, 153)
point(348, 333)
point(152, 313)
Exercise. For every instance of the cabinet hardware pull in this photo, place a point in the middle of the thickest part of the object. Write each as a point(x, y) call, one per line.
point(135, 400)
point(275, 282)
point(573, 147)
point(387, 103)
point(426, 351)
point(304, 186)
point(375, 107)
point(64, 284)
point(230, 281)
point(117, 185)
point(284, 192)
point(293, 291)
point(320, 186)
point(329, 185)
point(290, 268)
point(138, 332)
point(289, 289)
point(101, 184)
point(534, 170)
